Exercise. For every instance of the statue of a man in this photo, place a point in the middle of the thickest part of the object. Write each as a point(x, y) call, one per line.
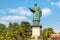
point(37, 13)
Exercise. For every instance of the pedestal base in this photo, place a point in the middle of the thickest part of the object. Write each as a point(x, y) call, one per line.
point(35, 32)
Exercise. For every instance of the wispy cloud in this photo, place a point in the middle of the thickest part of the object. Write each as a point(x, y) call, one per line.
point(46, 12)
point(20, 11)
point(56, 3)
point(13, 18)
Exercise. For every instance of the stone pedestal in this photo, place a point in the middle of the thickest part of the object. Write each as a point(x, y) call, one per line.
point(35, 32)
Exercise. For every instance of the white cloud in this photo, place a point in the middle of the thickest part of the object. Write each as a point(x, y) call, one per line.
point(46, 11)
point(6, 19)
point(24, 12)
point(13, 18)
point(56, 3)
point(20, 11)
point(13, 11)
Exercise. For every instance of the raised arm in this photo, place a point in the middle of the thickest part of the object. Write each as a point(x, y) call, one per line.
point(31, 10)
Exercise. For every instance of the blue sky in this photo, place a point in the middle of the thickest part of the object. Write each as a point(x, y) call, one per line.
point(18, 10)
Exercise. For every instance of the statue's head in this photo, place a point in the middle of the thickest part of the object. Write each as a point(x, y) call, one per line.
point(35, 4)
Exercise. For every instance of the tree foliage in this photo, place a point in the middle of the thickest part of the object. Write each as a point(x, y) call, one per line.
point(15, 31)
point(27, 30)
point(46, 33)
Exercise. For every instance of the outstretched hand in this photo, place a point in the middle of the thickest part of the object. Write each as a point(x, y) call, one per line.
point(31, 10)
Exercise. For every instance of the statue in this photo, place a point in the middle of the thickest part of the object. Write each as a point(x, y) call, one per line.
point(37, 13)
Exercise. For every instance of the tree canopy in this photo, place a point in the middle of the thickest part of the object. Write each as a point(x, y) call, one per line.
point(15, 31)
point(47, 32)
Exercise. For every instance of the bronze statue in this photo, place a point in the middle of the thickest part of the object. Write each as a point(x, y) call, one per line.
point(37, 13)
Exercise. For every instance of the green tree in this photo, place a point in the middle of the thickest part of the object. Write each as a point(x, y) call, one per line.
point(46, 33)
point(2, 26)
point(2, 31)
point(27, 30)
point(15, 31)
